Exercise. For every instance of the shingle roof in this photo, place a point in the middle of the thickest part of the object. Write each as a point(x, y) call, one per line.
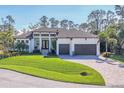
point(24, 35)
point(62, 33)
point(43, 29)
point(75, 34)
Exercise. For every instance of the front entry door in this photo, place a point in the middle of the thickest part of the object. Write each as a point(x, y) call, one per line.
point(45, 44)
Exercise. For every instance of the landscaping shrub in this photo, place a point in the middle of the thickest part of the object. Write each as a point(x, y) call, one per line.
point(23, 53)
point(36, 51)
point(122, 51)
point(14, 53)
point(83, 73)
point(52, 53)
point(8, 54)
point(106, 54)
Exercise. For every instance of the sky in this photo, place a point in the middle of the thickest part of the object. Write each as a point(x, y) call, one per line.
point(25, 15)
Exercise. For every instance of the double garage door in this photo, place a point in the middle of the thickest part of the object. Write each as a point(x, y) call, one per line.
point(85, 49)
point(80, 49)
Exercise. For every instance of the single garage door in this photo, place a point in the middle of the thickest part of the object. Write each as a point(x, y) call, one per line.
point(64, 49)
point(85, 49)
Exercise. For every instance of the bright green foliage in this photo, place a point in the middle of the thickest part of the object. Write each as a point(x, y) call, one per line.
point(52, 68)
point(21, 46)
point(110, 37)
point(119, 58)
point(6, 40)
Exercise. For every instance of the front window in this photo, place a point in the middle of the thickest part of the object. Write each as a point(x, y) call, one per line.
point(36, 43)
point(22, 41)
point(26, 41)
point(18, 41)
point(44, 34)
point(52, 35)
point(36, 34)
point(45, 44)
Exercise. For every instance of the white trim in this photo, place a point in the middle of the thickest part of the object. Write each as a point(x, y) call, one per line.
point(40, 42)
point(71, 47)
point(98, 48)
point(57, 47)
point(49, 43)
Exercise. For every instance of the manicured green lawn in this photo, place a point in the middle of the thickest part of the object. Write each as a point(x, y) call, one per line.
point(52, 68)
point(119, 58)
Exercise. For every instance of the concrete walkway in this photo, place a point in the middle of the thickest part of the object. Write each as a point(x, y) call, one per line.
point(113, 74)
point(11, 79)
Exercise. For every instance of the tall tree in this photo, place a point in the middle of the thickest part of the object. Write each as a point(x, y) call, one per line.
point(7, 23)
point(4, 25)
point(92, 28)
point(64, 24)
point(109, 36)
point(54, 23)
point(120, 34)
point(76, 26)
point(71, 24)
point(104, 38)
point(119, 11)
point(96, 17)
point(6, 39)
point(110, 19)
point(44, 21)
point(32, 27)
point(83, 27)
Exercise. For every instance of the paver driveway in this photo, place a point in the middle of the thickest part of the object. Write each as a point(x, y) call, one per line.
point(113, 74)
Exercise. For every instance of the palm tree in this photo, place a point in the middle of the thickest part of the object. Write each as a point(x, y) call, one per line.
point(120, 34)
point(104, 38)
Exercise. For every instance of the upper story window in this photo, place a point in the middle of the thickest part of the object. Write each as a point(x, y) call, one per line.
point(22, 41)
point(26, 41)
point(52, 35)
point(44, 34)
point(36, 34)
point(18, 40)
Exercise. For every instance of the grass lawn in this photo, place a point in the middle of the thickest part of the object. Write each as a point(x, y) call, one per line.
point(52, 68)
point(119, 58)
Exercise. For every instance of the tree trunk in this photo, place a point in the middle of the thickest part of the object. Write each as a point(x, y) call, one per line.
point(106, 47)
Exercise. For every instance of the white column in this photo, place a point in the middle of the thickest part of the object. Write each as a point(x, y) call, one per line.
point(32, 44)
point(71, 47)
point(73, 51)
point(98, 49)
point(49, 43)
point(29, 44)
point(40, 42)
point(57, 47)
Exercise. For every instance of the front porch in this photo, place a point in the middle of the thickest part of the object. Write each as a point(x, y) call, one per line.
point(44, 43)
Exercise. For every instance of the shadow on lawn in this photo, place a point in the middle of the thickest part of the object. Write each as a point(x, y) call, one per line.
point(51, 56)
